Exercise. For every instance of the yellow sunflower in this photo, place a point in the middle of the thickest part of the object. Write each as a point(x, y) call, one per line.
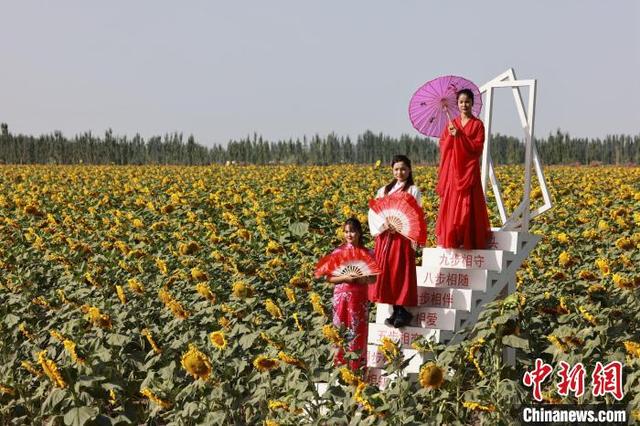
point(240, 289)
point(632, 348)
point(218, 340)
point(147, 334)
point(431, 376)
point(273, 309)
point(389, 349)
point(51, 370)
point(121, 295)
point(331, 334)
point(476, 406)
point(288, 359)
point(204, 291)
point(262, 363)
point(196, 363)
point(349, 377)
point(155, 399)
point(198, 274)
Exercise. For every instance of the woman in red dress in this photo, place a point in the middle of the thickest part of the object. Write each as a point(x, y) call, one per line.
point(463, 221)
point(350, 304)
point(395, 254)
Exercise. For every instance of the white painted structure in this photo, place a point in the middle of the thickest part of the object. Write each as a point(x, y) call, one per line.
point(519, 219)
point(455, 284)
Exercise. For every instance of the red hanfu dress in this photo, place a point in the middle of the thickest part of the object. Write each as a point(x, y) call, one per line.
point(395, 255)
point(462, 219)
point(350, 310)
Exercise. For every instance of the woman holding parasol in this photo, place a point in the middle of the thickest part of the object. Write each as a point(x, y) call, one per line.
point(462, 221)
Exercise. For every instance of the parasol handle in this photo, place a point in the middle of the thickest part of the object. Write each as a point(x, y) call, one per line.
point(446, 111)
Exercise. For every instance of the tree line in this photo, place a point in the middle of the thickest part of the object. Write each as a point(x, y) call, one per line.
point(55, 148)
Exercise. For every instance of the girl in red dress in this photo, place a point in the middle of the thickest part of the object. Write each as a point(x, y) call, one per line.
point(462, 221)
point(395, 254)
point(350, 304)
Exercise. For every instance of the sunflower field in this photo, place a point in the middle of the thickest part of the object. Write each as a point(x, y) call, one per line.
point(185, 295)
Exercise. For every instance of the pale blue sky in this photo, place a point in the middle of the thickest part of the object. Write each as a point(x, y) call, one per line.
point(221, 69)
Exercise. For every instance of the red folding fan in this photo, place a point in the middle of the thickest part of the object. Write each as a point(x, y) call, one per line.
point(353, 261)
point(404, 214)
point(322, 266)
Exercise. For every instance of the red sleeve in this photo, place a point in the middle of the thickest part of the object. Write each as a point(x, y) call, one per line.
point(474, 141)
point(467, 150)
point(445, 133)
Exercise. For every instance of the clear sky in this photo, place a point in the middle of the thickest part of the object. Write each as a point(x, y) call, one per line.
point(221, 69)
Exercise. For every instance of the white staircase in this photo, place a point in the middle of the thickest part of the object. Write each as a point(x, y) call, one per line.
point(453, 287)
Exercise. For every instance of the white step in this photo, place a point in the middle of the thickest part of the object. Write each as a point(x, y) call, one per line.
point(471, 279)
point(423, 317)
point(405, 335)
point(462, 259)
point(503, 240)
point(446, 302)
point(449, 298)
point(376, 359)
point(378, 377)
